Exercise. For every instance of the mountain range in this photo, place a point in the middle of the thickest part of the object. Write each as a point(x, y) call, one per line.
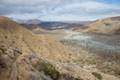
point(52, 25)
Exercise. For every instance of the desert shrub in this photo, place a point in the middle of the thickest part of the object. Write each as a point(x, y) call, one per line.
point(6, 37)
point(107, 24)
point(48, 69)
point(97, 75)
point(68, 77)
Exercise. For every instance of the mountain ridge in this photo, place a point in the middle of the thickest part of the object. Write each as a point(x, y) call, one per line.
point(105, 26)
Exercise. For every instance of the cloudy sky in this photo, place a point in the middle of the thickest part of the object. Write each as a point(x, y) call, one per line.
point(60, 10)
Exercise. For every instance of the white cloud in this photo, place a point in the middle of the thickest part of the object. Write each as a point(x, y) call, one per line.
point(58, 9)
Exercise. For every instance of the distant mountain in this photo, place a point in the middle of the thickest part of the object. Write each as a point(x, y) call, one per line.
point(59, 25)
point(30, 21)
point(52, 25)
point(105, 26)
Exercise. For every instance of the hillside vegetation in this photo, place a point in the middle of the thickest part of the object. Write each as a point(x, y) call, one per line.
point(27, 56)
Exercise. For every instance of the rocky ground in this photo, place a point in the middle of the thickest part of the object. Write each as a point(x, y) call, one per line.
point(28, 56)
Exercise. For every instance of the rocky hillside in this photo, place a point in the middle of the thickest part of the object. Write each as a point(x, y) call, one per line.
point(18, 46)
point(27, 56)
point(105, 26)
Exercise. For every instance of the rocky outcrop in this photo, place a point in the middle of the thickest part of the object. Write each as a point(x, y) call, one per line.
point(8, 58)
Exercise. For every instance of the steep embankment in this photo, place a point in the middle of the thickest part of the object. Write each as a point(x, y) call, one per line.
point(26, 56)
point(105, 26)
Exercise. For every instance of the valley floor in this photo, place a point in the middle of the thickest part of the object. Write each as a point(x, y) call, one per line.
point(100, 51)
point(95, 52)
point(94, 42)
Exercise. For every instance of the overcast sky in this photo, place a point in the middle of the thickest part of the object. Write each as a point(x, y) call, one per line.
point(60, 10)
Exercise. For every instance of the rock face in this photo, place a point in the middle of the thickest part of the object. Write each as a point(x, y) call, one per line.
point(105, 26)
point(26, 56)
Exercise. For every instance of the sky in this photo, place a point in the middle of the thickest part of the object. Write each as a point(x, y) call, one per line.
point(60, 10)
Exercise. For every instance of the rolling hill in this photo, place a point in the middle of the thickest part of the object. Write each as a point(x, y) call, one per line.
point(105, 26)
